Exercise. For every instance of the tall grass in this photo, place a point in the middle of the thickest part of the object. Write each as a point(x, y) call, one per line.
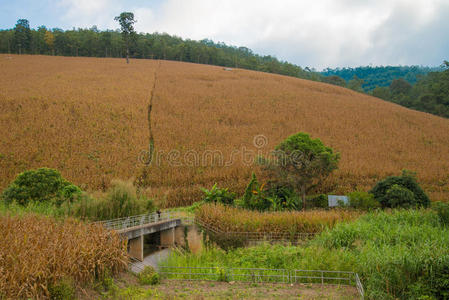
point(121, 200)
point(399, 254)
point(232, 219)
point(44, 98)
point(38, 253)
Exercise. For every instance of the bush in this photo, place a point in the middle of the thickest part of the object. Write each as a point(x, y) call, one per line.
point(148, 276)
point(399, 196)
point(318, 201)
point(363, 200)
point(399, 255)
point(62, 290)
point(121, 200)
point(216, 194)
point(400, 191)
point(40, 185)
point(442, 210)
point(255, 197)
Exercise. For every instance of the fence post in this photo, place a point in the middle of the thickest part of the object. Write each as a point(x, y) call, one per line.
point(322, 277)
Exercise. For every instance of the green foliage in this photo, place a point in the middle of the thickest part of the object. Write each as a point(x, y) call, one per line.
point(121, 200)
point(254, 196)
point(301, 162)
point(272, 197)
point(355, 84)
point(22, 36)
point(148, 276)
point(442, 209)
point(401, 254)
point(400, 86)
point(63, 290)
point(335, 80)
point(399, 196)
point(379, 76)
point(318, 201)
point(40, 185)
point(216, 194)
point(400, 191)
point(363, 200)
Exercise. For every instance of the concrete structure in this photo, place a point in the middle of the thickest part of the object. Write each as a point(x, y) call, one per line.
point(334, 200)
point(135, 235)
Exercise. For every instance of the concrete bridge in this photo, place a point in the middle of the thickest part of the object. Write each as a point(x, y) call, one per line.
point(168, 226)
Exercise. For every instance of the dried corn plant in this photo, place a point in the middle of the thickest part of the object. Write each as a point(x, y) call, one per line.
point(231, 219)
point(38, 251)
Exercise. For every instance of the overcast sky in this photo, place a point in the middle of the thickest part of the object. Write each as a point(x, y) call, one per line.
point(316, 33)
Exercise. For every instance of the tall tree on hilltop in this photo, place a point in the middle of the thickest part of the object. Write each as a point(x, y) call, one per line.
point(22, 35)
point(126, 21)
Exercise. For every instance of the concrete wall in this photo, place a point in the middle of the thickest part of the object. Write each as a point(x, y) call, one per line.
point(168, 237)
point(135, 247)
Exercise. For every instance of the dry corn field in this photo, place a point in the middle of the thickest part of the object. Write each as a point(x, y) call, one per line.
point(37, 252)
point(87, 117)
point(231, 219)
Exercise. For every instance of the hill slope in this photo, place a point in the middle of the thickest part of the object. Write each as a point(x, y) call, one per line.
point(87, 117)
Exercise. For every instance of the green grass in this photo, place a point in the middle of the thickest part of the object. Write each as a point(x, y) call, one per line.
point(400, 254)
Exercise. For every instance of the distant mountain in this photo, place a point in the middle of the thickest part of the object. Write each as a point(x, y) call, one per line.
point(380, 76)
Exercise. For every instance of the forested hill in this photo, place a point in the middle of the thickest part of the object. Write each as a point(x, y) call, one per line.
point(109, 43)
point(380, 76)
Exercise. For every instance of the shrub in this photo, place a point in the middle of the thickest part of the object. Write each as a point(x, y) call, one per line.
point(399, 196)
point(399, 255)
point(43, 184)
point(318, 201)
point(255, 197)
point(148, 276)
point(363, 200)
point(442, 210)
point(121, 200)
point(62, 290)
point(216, 194)
point(406, 193)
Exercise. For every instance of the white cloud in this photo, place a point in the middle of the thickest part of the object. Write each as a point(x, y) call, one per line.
point(316, 33)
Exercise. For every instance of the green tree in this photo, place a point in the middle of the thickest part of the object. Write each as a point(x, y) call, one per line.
point(400, 191)
point(356, 84)
point(302, 163)
point(400, 86)
point(126, 21)
point(50, 41)
point(40, 185)
point(22, 35)
point(335, 80)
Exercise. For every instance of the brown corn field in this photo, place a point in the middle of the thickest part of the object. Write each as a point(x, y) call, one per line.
point(231, 219)
point(87, 117)
point(38, 251)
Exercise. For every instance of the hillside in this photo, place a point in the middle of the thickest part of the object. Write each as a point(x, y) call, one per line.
point(87, 117)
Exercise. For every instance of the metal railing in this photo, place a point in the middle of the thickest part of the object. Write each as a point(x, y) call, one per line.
point(253, 236)
point(139, 220)
point(260, 275)
point(359, 286)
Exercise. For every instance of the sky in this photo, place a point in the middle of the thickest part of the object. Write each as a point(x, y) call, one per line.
point(317, 33)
